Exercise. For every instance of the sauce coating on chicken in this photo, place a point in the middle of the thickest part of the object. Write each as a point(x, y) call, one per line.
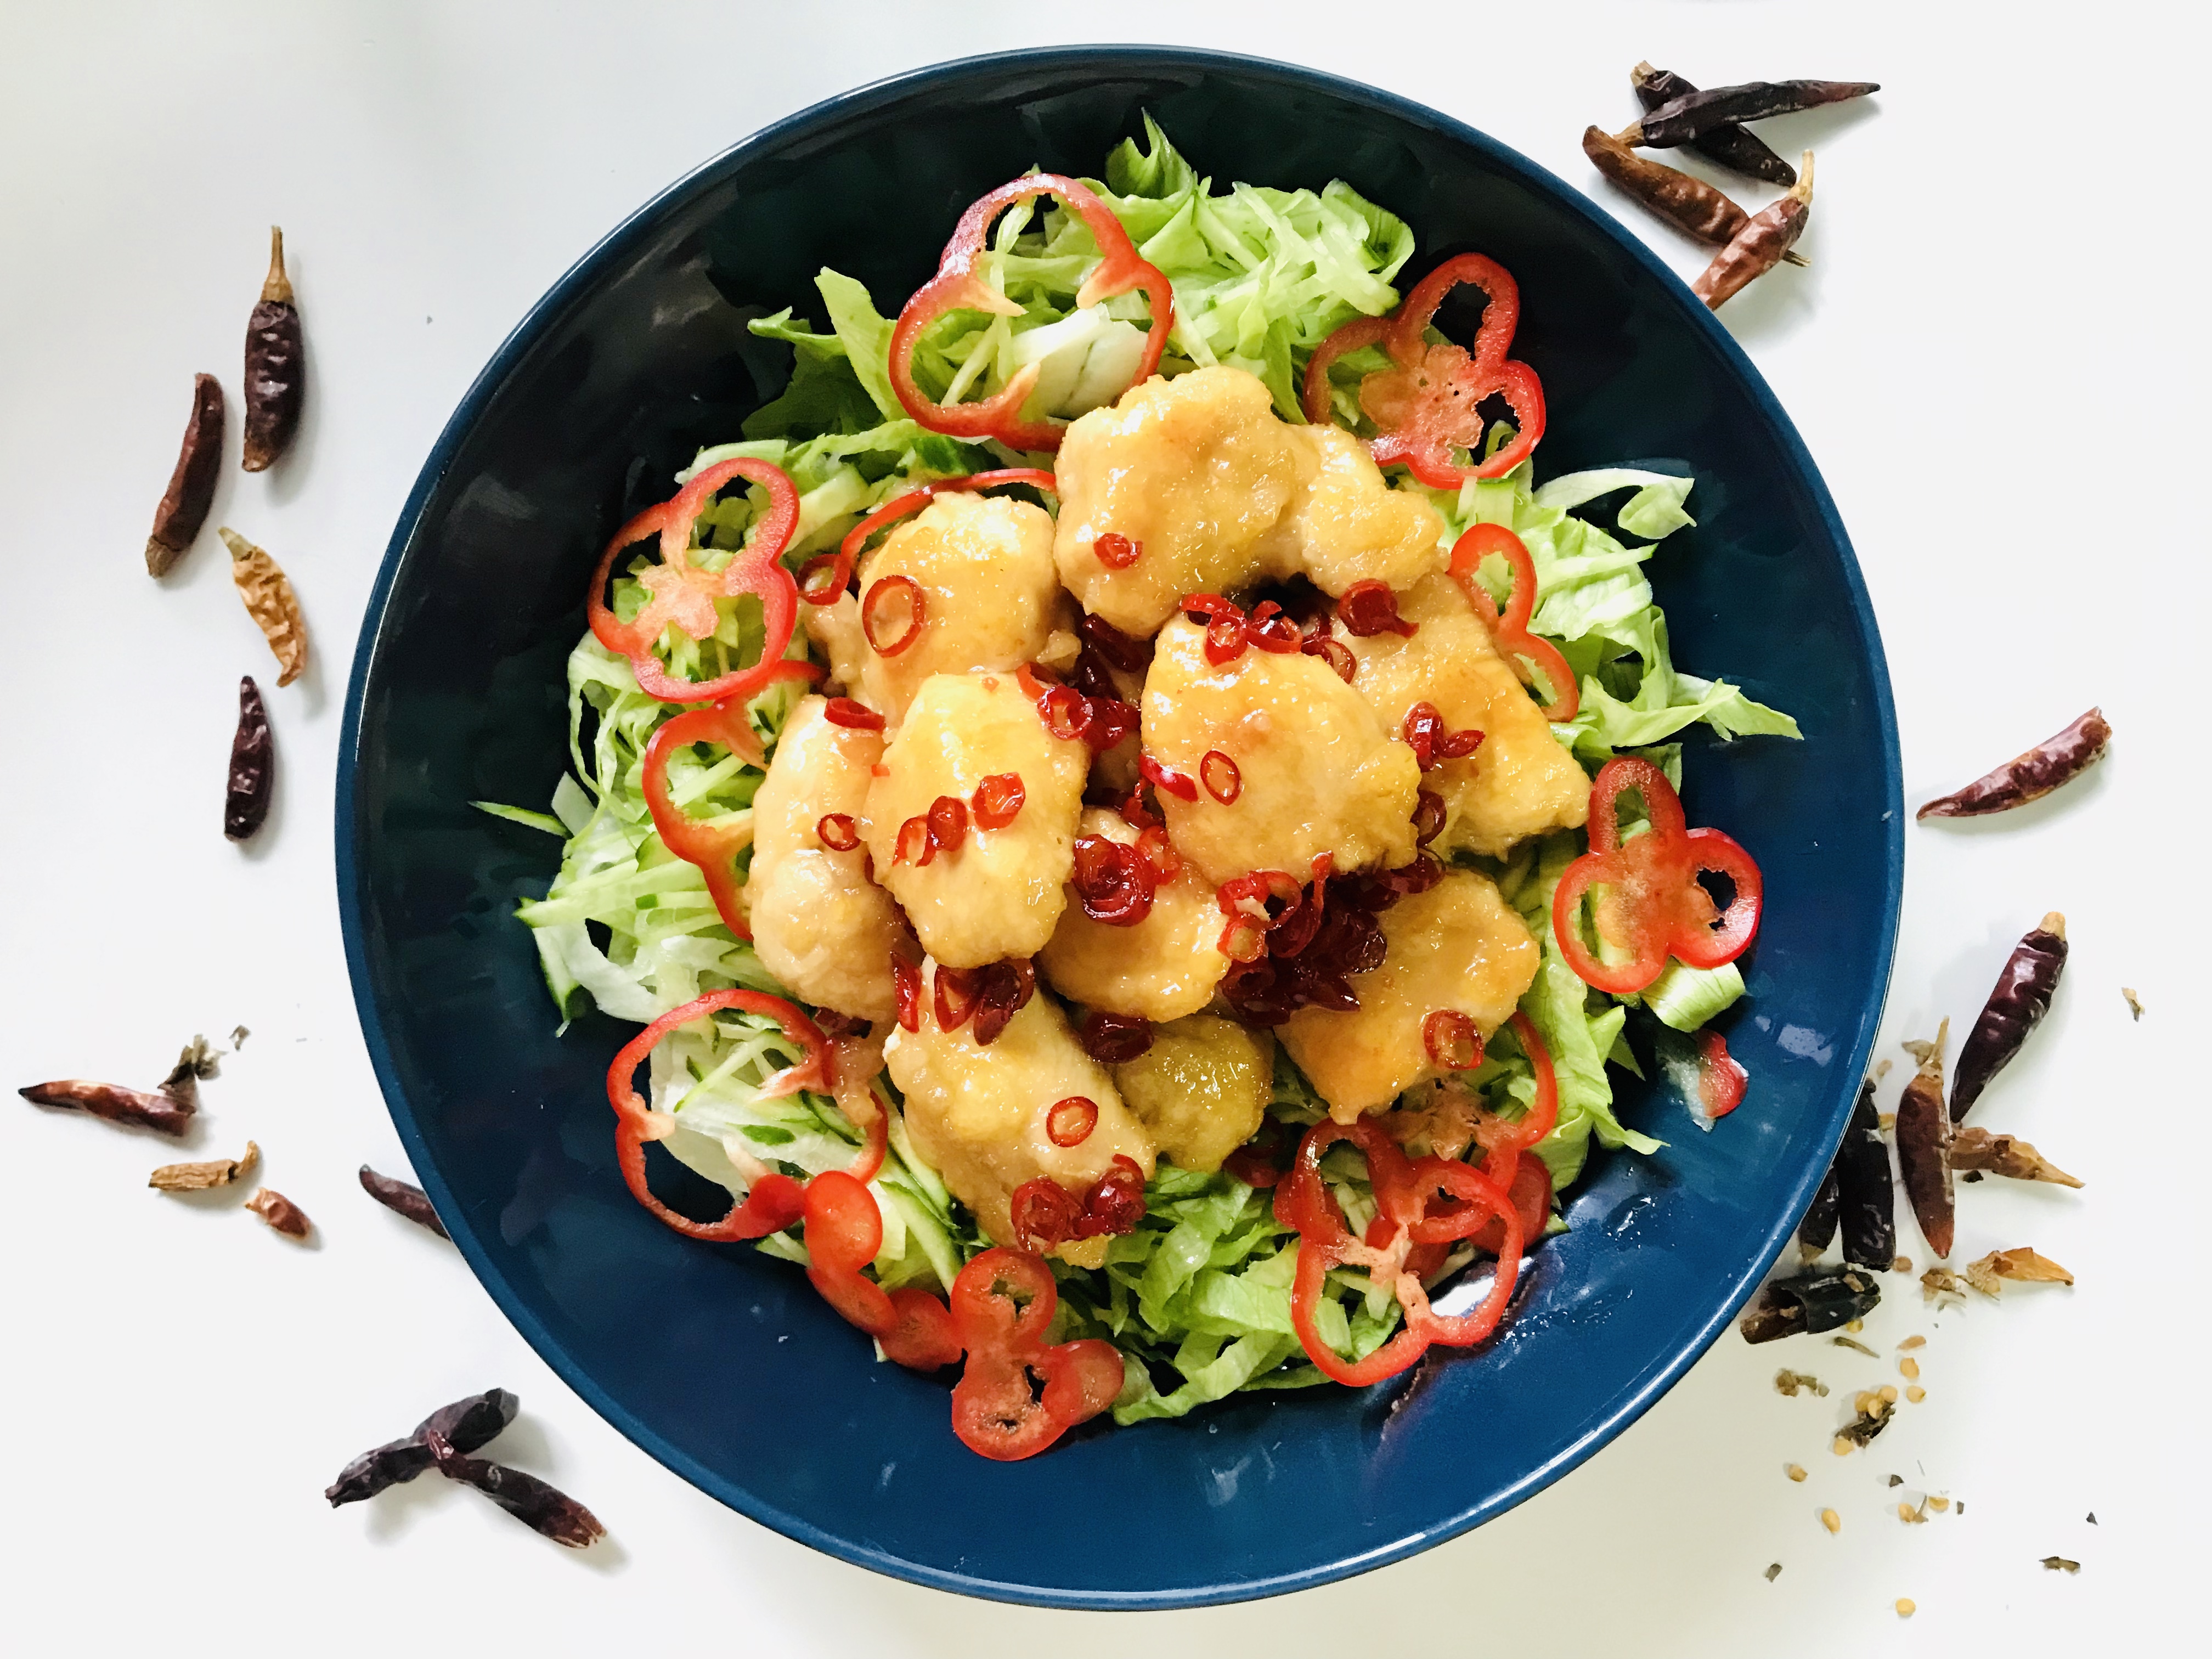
point(1459, 945)
point(1522, 782)
point(977, 1113)
point(821, 926)
point(1317, 771)
point(991, 599)
point(1201, 1089)
point(1346, 524)
point(1162, 968)
point(999, 893)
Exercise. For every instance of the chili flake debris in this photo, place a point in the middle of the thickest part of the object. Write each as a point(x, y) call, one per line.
point(1856, 1347)
point(198, 1177)
point(2060, 1563)
point(1789, 1383)
point(280, 1213)
point(2021, 1264)
point(1874, 1415)
point(2135, 1004)
point(1773, 1570)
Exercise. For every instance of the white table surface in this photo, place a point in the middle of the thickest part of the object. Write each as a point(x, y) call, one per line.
point(1997, 358)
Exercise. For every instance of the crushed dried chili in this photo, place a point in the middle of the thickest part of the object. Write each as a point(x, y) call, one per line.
point(201, 1177)
point(282, 1214)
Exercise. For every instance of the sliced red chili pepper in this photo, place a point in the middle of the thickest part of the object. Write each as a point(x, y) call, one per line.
point(956, 991)
point(1116, 1203)
point(1002, 1307)
point(1067, 713)
point(948, 823)
point(1044, 1213)
point(1428, 817)
point(1159, 853)
point(999, 799)
point(682, 594)
point(1007, 988)
point(1337, 654)
point(893, 588)
point(853, 716)
point(1124, 651)
point(1136, 811)
point(1114, 1039)
point(957, 286)
point(1223, 778)
point(913, 845)
point(1070, 1121)
point(837, 831)
point(827, 589)
point(1651, 904)
point(1451, 1039)
point(1226, 639)
point(1112, 881)
point(776, 1201)
point(1111, 723)
point(1163, 777)
point(1116, 551)
point(712, 846)
point(906, 982)
point(1721, 1080)
point(1369, 608)
point(1528, 653)
point(1428, 402)
point(1271, 630)
point(1244, 940)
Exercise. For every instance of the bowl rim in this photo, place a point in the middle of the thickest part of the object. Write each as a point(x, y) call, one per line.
point(571, 288)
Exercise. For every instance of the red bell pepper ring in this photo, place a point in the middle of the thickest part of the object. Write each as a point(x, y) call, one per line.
point(844, 1231)
point(840, 565)
point(1002, 1307)
point(958, 285)
point(776, 1201)
point(1427, 404)
point(1651, 904)
point(1524, 650)
point(713, 848)
point(683, 593)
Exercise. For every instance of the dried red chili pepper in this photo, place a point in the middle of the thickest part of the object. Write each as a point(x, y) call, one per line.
point(281, 1213)
point(958, 287)
point(169, 1108)
point(1765, 238)
point(274, 356)
point(266, 593)
point(1369, 608)
point(1693, 114)
point(1114, 1039)
point(1651, 905)
point(1816, 1228)
point(2031, 776)
point(1017, 1396)
point(252, 780)
point(466, 1425)
point(542, 1508)
point(776, 1201)
point(1428, 402)
point(844, 1232)
point(1070, 1121)
point(1924, 1141)
point(1044, 1213)
point(1691, 205)
point(682, 594)
point(1977, 1149)
point(999, 799)
point(1865, 1189)
point(1528, 653)
point(1734, 148)
point(837, 831)
point(823, 579)
point(403, 1198)
point(2017, 1003)
point(713, 848)
point(185, 503)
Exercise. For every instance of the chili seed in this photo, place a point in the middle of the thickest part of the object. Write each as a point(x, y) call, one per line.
point(1832, 1521)
point(1915, 1394)
point(1905, 1607)
point(1909, 1365)
point(1795, 1471)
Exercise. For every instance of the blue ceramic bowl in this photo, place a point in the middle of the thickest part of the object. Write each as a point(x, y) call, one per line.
point(723, 1365)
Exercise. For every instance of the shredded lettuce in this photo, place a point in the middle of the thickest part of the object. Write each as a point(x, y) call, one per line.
point(1685, 997)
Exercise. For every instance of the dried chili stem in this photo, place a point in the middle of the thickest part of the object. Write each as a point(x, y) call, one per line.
point(1732, 146)
point(2028, 776)
point(270, 602)
point(406, 1200)
point(1923, 1139)
point(185, 504)
point(1759, 246)
point(252, 766)
point(274, 354)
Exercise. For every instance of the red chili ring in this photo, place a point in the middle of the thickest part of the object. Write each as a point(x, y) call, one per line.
point(837, 832)
point(999, 800)
point(1369, 608)
point(1428, 817)
point(854, 716)
point(906, 980)
point(1244, 940)
point(914, 845)
point(1223, 778)
point(829, 592)
point(1163, 777)
point(1114, 1039)
point(1116, 551)
point(948, 823)
point(1447, 1034)
point(1158, 852)
point(957, 993)
point(1337, 654)
point(918, 611)
point(1226, 639)
point(1067, 713)
point(1070, 1121)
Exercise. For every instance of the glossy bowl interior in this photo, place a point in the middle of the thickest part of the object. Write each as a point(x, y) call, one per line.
point(639, 355)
